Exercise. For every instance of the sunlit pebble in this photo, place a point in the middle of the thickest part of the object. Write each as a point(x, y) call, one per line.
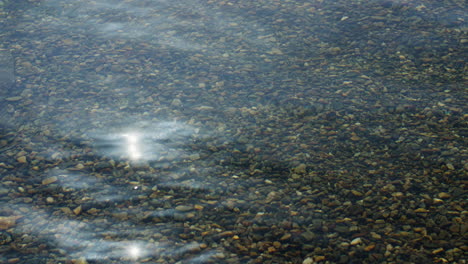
point(22, 159)
point(356, 241)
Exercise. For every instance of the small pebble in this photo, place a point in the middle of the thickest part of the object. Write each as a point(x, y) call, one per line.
point(22, 159)
point(356, 241)
point(443, 195)
point(49, 180)
point(183, 208)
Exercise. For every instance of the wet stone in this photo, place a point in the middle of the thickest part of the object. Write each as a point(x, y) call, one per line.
point(184, 208)
point(49, 180)
point(22, 159)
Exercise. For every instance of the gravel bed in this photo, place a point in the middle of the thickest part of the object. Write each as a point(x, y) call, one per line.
point(233, 132)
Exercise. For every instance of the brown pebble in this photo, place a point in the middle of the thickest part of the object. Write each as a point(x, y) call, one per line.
point(443, 195)
point(22, 159)
point(77, 210)
point(92, 211)
point(450, 166)
point(375, 235)
point(226, 234)
point(49, 180)
point(8, 221)
point(301, 169)
point(190, 215)
point(319, 258)
point(81, 261)
point(356, 241)
point(369, 247)
point(183, 208)
point(121, 215)
point(421, 210)
point(66, 210)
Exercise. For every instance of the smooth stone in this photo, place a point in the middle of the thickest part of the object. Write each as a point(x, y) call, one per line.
point(183, 208)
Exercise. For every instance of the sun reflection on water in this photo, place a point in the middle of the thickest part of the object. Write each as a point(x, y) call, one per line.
point(133, 145)
point(144, 142)
point(134, 251)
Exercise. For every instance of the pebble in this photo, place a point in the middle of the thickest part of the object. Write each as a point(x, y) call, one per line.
point(319, 258)
point(443, 195)
point(450, 166)
point(356, 241)
point(8, 221)
point(92, 211)
point(275, 51)
point(13, 260)
point(375, 235)
point(49, 180)
point(301, 169)
point(77, 210)
point(195, 156)
point(421, 210)
point(81, 261)
point(22, 159)
point(121, 215)
point(66, 210)
point(176, 102)
point(370, 247)
point(13, 98)
point(183, 208)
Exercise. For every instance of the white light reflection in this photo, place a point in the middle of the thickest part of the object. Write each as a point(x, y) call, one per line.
point(145, 142)
point(134, 251)
point(133, 146)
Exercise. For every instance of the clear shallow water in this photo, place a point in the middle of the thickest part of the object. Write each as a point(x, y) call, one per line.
point(207, 132)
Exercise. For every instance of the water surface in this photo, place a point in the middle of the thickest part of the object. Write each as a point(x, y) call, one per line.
point(232, 132)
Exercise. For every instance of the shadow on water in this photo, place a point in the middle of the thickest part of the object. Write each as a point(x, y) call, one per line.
point(208, 132)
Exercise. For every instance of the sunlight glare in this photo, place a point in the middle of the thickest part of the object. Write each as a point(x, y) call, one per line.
point(134, 251)
point(133, 145)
